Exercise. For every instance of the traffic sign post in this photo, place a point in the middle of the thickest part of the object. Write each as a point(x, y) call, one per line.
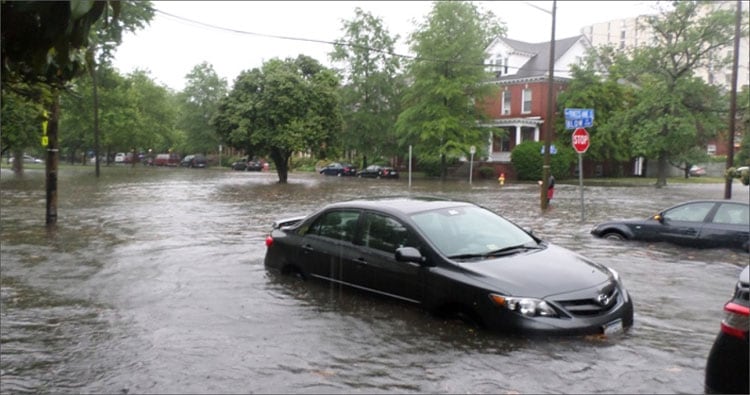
point(580, 139)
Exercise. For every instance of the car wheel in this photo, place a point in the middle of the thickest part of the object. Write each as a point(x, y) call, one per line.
point(613, 236)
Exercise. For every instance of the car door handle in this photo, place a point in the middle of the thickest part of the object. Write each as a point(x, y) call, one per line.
point(307, 248)
point(691, 231)
point(361, 261)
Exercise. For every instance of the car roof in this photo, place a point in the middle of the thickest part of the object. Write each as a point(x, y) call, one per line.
point(711, 201)
point(404, 205)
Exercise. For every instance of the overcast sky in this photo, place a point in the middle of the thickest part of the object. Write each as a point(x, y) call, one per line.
point(170, 47)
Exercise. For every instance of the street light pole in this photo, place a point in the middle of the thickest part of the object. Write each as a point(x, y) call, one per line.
point(550, 113)
point(733, 102)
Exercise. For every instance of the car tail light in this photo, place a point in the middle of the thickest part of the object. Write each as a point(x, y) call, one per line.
point(736, 320)
point(269, 241)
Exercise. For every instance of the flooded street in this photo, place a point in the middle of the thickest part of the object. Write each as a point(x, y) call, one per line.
point(153, 282)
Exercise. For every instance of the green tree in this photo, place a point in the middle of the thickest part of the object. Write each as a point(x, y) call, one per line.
point(588, 89)
point(439, 116)
point(370, 101)
point(285, 107)
point(21, 122)
point(199, 102)
point(673, 110)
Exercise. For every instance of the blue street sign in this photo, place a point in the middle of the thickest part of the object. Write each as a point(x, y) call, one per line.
point(552, 149)
point(579, 118)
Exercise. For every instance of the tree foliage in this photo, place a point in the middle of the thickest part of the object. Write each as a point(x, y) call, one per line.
point(370, 95)
point(439, 116)
point(46, 41)
point(199, 102)
point(673, 110)
point(285, 107)
point(136, 113)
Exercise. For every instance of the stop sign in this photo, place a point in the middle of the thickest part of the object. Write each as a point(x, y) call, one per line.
point(581, 140)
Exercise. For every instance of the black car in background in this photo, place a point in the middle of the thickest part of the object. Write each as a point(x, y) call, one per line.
point(455, 259)
point(377, 171)
point(698, 223)
point(727, 365)
point(194, 161)
point(339, 169)
point(248, 165)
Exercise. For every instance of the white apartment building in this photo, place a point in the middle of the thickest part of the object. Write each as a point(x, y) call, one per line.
point(632, 32)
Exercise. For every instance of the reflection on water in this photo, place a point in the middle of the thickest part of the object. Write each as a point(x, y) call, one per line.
point(153, 282)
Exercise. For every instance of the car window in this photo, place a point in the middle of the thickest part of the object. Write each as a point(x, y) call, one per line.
point(735, 214)
point(469, 230)
point(385, 233)
point(692, 212)
point(339, 225)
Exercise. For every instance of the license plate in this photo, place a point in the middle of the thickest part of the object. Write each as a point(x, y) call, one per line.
point(613, 327)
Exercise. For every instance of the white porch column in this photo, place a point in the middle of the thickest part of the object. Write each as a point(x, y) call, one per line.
point(518, 134)
point(490, 146)
point(536, 133)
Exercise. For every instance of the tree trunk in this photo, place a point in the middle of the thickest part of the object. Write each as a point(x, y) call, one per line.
point(282, 165)
point(661, 174)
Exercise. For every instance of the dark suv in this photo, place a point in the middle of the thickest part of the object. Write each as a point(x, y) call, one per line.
point(196, 160)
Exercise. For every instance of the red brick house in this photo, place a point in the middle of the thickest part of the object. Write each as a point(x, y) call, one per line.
point(517, 113)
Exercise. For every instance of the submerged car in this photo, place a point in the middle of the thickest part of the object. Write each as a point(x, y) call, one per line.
point(697, 223)
point(377, 171)
point(455, 259)
point(339, 169)
point(194, 161)
point(727, 364)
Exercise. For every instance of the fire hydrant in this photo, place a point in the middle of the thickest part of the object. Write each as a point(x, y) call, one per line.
point(501, 179)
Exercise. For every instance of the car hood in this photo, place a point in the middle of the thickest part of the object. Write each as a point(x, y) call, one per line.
point(539, 273)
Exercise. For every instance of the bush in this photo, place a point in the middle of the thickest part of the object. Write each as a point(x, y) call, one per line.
point(302, 164)
point(487, 172)
point(528, 160)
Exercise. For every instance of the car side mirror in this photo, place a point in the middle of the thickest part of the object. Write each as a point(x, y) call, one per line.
point(409, 254)
point(659, 218)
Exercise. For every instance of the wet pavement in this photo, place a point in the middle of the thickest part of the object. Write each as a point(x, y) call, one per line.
point(153, 282)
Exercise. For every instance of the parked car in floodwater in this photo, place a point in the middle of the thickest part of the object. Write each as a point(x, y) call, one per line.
point(377, 171)
point(727, 364)
point(698, 223)
point(339, 169)
point(455, 259)
point(171, 160)
point(196, 160)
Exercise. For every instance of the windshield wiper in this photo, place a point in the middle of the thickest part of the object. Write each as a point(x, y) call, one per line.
point(510, 250)
point(498, 252)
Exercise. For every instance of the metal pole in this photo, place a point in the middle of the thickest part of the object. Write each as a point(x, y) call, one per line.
point(733, 102)
point(410, 167)
point(550, 114)
point(471, 167)
point(580, 182)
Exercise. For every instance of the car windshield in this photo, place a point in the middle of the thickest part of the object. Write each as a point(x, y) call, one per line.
point(472, 232)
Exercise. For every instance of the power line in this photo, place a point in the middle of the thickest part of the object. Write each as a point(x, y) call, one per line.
point(326, 42)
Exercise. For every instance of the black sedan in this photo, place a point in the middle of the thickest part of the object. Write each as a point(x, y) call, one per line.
point(339, 169)
point(376, 171)
point(455, 259)
point(698, 223)
point(727, 364)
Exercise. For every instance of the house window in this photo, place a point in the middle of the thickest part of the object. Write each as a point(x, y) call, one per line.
point(711, 149)
point(505, 110)
point(526, 107)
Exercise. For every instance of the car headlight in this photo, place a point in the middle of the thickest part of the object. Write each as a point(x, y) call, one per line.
point(529, 307)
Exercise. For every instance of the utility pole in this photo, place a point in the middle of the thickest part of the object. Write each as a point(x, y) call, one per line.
point(550, 113)
point(733, 101)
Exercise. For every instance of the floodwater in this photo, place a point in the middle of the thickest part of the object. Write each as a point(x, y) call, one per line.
point(153, 282)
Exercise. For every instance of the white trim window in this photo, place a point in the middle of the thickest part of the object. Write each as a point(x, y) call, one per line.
point(505, 109)
point(526, 104)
